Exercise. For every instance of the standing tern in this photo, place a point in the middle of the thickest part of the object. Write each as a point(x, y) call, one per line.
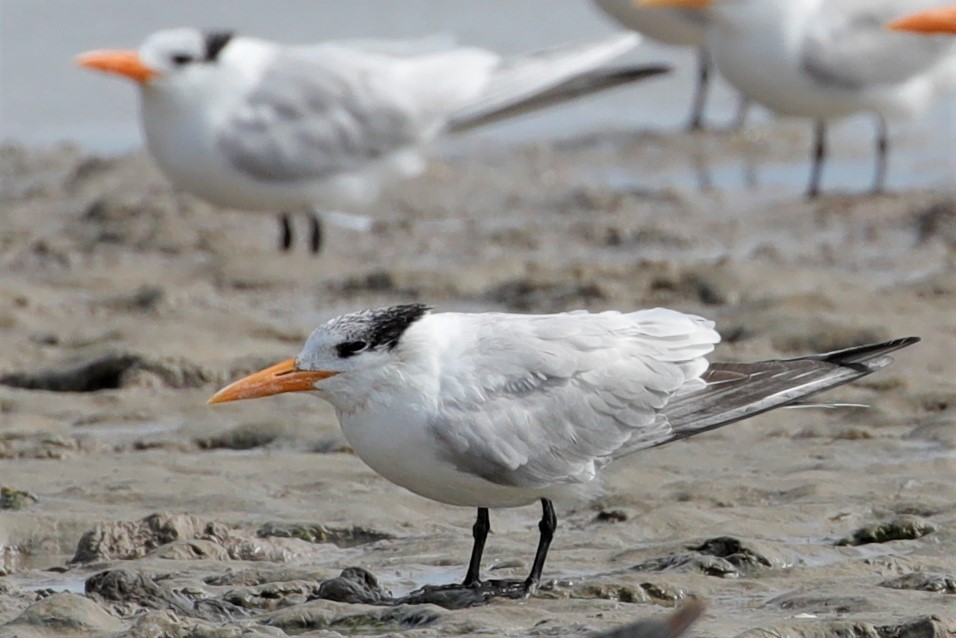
point(502, 410)
point(251, 124)
point(825, 60)
point(680, 27)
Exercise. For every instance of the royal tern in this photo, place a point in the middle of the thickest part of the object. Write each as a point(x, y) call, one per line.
point(679, 27)
point(501, 410)
point(825, 60)
point(941, 20)
point(251, 124)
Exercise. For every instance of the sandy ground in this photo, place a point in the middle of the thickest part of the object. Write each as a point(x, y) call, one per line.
point(131, 304)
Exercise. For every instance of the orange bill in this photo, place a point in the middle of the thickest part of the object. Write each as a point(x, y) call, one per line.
point(933, 21)
point(280, 378)
point(125, 63)
point(692, 4)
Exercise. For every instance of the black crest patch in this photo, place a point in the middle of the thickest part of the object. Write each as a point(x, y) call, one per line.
point(215, 43)
point(386, 326)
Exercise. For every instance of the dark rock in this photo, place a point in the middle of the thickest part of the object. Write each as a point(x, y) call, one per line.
point(902, 528)
point(745, 555)
point(353, 585)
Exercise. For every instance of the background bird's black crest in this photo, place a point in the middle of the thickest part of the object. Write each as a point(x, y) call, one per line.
point(215, 42)
point(386, 326)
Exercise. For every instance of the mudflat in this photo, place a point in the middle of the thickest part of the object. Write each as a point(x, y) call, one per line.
point(130, 507)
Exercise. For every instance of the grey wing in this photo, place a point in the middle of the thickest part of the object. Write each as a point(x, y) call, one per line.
point(735, 391)
point(556, 397)
point(848, 45)
point(535, 80)
point(316, 113)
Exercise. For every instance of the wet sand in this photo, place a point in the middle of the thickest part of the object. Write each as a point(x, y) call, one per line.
point(131, 304)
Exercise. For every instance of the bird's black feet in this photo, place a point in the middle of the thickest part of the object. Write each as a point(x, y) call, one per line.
point(285, 232)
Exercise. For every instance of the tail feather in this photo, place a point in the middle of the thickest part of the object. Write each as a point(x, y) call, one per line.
point(736, 391)
point(578, 86)
point(521, 80)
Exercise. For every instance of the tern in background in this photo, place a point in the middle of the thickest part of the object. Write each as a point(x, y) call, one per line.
point(502, 410)
point(251, 124)
point(680, 27)
point(825, 60)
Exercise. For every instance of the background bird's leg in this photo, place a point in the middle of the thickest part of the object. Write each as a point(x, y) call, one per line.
point(549, 523)
point(285, 232)
point(700, 91)
point(743, 108)
point(315, 236)
point(882, 150)
point(819, 155)
point(480, 532)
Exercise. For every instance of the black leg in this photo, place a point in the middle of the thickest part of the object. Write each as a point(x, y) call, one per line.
point(315, 239)
point(549, 523)
point(480, 532)
point(700, 91)
point(882, 149)
point(819, 155)
point(743, 107)
point(285, 232)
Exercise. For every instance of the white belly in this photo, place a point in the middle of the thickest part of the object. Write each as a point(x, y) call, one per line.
point(405, 454)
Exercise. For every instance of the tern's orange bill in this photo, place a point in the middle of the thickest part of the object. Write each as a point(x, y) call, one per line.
point(125, 63)
point(280, 378)
point(693, 4)
point(941, 20)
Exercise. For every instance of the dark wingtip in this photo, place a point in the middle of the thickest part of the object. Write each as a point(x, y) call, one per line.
point(863, 355)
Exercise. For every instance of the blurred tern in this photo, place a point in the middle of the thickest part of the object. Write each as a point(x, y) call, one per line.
point(501, 410)
point(679, 27)
point(251, 124)
point(825, 60)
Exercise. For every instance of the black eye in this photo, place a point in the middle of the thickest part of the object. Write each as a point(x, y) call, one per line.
point(350, 348)
point(182, 58)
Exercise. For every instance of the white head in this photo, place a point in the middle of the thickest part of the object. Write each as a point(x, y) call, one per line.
point(347, 360)
point(172, 56)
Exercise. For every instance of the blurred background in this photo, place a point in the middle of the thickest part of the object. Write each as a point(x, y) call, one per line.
point(45, 99)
